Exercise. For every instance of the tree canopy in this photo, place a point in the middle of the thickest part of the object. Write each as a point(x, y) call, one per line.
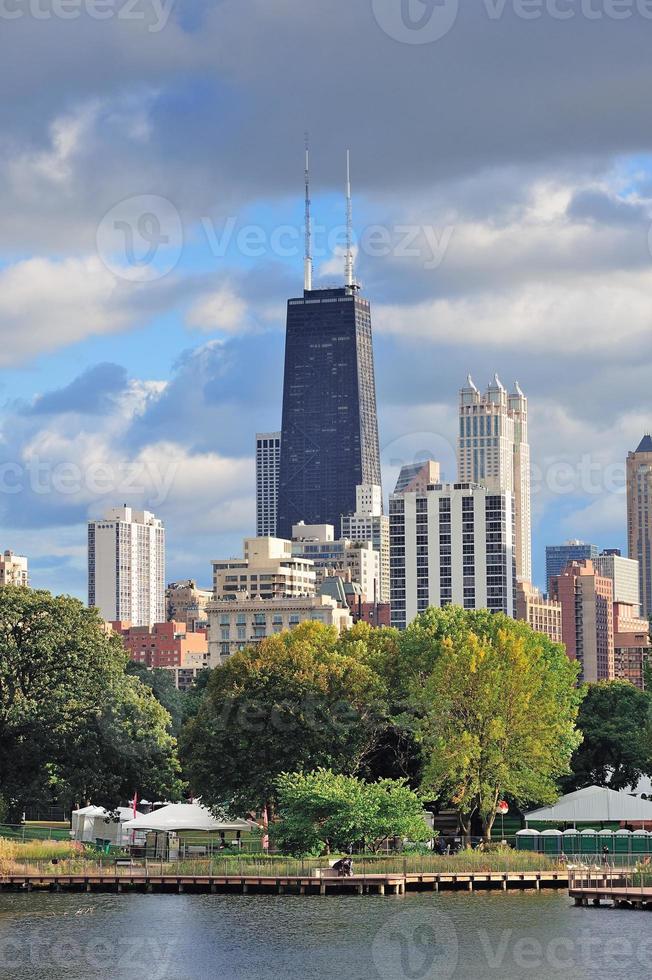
point(326, 811)
point(73, 724)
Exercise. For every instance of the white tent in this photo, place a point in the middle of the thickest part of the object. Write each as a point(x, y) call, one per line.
point(596, 804)
point(94, 823)
point(184, 816)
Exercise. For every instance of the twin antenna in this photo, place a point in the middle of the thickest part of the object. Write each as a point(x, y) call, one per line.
point(349, 270)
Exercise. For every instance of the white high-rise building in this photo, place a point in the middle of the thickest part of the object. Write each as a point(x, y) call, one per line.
point(493, 451)
point(13, 569)
point(370, 524)
point(268, 468)
point(624, 573)
point(451, 545)
point(126, 567)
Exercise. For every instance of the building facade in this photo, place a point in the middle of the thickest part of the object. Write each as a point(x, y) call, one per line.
point(631, 644)
point(329, 435)
point(14, 570)
point(235, 624)
point(268, 471)
point(586, 599)
point(353, 561)
point(186, 603)
point(416, 477)
point(493, 451)
point(368, 523)
point(624, 575)
point(164, 645)
point(542, 614)
point(126, 567)
point(559, 555)
point(453, 544)
point(639, 517)
point(269, 569)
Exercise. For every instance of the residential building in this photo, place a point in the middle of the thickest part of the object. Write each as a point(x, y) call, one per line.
point(186, 603)
point(268, 469)
point(238, 623)
point(493, 451)
point(541, 613)
point(269, 569)
point(558, 556)
point(452, 544)
point(13, 569)
point(329, 436)
point(417, 477)
point(350, 594)
point(368, 523)
point(631, 644)
point(164, 645)
point(356, 561)
point(624, 575)
point(184, 677)
point(639, 517)
point(126, 566)
point(586, 599)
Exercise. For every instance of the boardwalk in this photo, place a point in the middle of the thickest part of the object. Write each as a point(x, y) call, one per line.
point(623, 888)
point(379, 884)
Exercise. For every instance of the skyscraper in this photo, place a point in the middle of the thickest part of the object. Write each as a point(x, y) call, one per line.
point(587, 615)
point(268, 464)
point(126, 567)
point(493, 450)
point(639, 517)
point(330, 428)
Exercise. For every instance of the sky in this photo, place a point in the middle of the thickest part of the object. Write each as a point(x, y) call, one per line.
point(151, 212)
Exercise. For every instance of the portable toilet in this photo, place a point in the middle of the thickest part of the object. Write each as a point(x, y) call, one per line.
point(551, 841)
point(606, 839)
point(528, 840)
point(640, 842)
point(588, 842)
point(572, 843)
point(623, 842)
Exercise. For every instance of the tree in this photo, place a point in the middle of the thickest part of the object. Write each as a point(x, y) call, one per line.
point(162, 686)
point(73, 725)
point(616, 722)
point(326, 811)
point(500, 709)
point(292, 703)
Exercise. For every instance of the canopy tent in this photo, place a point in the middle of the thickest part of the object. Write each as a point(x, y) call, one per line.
point(594, 805)
point(185, 816)
point(93, 823)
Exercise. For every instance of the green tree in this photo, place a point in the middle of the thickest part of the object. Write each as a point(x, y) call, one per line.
point(500, 703)
point(73, 725)
point(326, 811)
point(162, 686)
point(292, 703)
point(616, 722)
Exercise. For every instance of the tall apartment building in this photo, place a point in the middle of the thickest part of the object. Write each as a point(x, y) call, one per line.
point(639, 517)
point(238, 623)
point(13, 569)
point(354, 561)
point(559, 555)
point(452, 544)
point(493, 451)
point(186, 603)
point(586, 599)
point(542, 614)
point(624, 575)
point(368, 523)
point(268, 570)
point(126, 567)
point(268, 469)
point(631, 644)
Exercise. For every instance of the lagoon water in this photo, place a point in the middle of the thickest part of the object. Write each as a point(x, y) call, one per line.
point(418, 937)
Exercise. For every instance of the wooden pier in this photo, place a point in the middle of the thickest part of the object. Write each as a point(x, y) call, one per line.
point(377, 884)
point(622, 888)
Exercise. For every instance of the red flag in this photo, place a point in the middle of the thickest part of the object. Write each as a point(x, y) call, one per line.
point(266, 829)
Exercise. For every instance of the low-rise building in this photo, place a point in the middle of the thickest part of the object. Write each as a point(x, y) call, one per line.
point(542, 614)
point(164, 645)
point(368, 523)
point(238, 623)
point(186, 603)
point(356, 561)
point(13, 569)
point(268, 569)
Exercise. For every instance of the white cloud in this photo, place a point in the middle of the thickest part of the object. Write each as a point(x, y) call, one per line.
point(221, 310)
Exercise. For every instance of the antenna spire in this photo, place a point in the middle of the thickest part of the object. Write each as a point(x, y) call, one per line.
point(307, 266)
point(349, 271)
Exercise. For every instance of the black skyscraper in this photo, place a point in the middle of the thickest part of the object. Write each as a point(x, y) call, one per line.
point(330, 426)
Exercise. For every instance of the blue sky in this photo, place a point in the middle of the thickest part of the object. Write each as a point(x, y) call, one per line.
point(503, 204)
